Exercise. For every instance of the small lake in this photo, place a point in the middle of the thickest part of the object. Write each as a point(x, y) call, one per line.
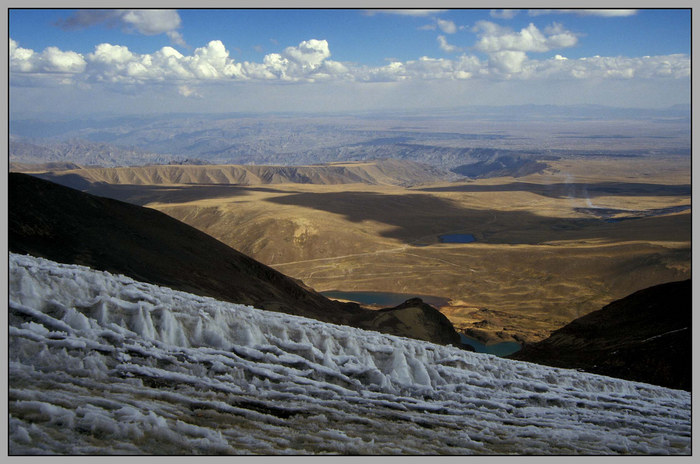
point(383, 298)
point(388, 299)
point(497, 349)
point(457, 238)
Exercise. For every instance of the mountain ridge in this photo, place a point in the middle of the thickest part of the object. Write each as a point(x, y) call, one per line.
point(386, 171)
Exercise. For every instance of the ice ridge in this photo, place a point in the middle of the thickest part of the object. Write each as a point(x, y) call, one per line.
point(103, 364)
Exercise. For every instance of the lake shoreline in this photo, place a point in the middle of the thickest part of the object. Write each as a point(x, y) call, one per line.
point(384, 299)
point(389, 299)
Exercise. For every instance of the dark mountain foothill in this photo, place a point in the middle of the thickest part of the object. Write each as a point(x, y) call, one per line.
point(501, 165)
point(645, 337)
point(64, 225)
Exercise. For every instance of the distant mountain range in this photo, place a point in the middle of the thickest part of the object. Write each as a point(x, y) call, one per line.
point(33, 155)
point(53, 154)
point(62, 224)
point(442, 138)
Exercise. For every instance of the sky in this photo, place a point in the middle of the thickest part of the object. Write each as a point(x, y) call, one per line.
point(72, 62)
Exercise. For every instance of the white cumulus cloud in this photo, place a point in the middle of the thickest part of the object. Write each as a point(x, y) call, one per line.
point(307, 61)
point(506, 58)
point(110, 54)
point(51, 60)
point(445, 46)
point(507, 61)
point(211, 61)
point(116, 63)
point(152, 22)
point(21, 59)
point(55, 60)
point(495, 38)
point(309, 54)
point(448, 27)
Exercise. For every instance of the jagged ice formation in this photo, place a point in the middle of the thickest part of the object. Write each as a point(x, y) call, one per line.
point(103, 364)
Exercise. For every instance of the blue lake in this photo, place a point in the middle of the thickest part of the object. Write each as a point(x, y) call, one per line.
point(383, 298)
point(457, 238)
point(388, 299)
point(497, 349)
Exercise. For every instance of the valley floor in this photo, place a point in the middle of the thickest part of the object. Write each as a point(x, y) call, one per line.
point(547, 248)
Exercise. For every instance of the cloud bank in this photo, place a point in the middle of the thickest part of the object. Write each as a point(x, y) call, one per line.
point(502, 64)
point(506, 56)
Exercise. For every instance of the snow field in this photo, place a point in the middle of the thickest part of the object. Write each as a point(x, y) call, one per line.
point(103, 364)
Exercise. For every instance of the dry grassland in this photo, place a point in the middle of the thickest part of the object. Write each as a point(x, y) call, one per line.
point(541, 256)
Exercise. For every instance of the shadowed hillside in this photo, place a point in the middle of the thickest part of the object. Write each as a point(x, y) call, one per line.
point(574, 189)
point(646, 337)
point(64, 225)
point(503, 165)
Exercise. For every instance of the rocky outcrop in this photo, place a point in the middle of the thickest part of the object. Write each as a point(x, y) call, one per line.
point(422, 319)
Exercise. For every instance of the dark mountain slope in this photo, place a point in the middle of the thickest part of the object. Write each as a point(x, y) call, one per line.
point(68, 226)
point(501, 166)
point(644, 337)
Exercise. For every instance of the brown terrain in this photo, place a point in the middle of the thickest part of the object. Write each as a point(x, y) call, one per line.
point(549, 247)
point(62, 224)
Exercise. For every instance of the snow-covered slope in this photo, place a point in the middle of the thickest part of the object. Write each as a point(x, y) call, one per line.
point(103, 364)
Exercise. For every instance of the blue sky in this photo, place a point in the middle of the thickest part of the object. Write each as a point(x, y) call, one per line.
point(316, 60)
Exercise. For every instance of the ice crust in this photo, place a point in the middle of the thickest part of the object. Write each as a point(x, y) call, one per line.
point(103, 364)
